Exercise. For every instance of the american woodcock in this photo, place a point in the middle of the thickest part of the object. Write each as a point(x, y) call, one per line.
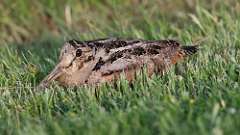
point(105, 60)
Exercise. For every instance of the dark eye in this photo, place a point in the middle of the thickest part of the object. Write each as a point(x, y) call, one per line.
point(78, 52)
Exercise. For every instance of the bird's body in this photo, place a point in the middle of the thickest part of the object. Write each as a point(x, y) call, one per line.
point(105, 60)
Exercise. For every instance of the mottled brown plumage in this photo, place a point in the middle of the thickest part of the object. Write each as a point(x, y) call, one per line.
point(104, 60)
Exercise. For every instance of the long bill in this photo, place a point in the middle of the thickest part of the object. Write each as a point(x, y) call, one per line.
point(56, 72)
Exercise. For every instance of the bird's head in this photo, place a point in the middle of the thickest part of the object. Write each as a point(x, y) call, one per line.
point(72, 57)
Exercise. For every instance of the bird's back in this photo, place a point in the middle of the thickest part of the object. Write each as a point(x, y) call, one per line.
point(127, 57)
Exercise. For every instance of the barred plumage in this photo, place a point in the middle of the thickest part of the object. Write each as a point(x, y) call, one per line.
point(104, 60)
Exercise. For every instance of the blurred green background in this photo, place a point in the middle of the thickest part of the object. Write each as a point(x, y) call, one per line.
point(25, 20)
point(200, 95)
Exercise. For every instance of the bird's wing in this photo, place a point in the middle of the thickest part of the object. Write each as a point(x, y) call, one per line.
point(120, 65)
point(138, 55)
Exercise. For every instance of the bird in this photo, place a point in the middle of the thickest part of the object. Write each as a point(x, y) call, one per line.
point(105, 60)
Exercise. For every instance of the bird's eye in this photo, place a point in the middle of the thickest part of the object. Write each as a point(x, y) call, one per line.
point(78, 52)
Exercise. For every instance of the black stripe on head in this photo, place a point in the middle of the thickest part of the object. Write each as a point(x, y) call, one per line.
point(73, 43)
point(76, 43)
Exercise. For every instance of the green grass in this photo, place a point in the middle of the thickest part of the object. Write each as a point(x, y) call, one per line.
point(200, 95)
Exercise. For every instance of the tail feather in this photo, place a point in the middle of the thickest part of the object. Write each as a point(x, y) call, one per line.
point(184, 52)
point(189, 50)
